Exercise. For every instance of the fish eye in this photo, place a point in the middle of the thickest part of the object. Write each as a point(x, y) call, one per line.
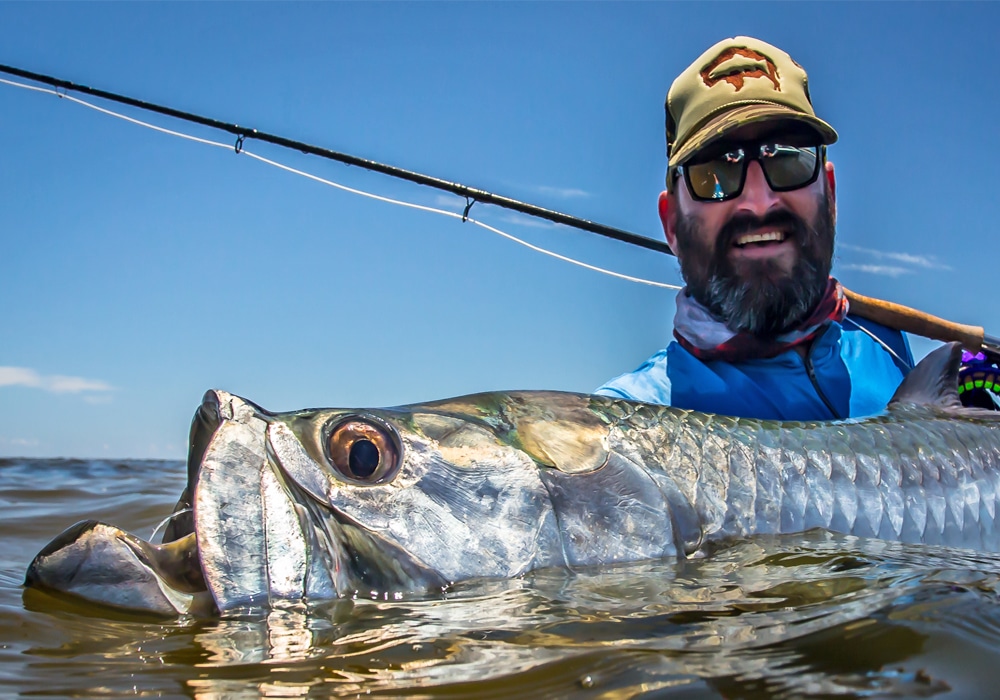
point(363, 451)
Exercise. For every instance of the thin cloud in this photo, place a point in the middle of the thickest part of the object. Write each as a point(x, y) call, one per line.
point(18, 442)
point(562, 192)
point(885, 270)
point(53, 383)
point(448, 202)
point(530, 221)
point(928, 262)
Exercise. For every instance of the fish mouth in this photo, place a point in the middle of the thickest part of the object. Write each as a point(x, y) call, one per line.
point(104, 564)
point(238, 538)
point(253, 530)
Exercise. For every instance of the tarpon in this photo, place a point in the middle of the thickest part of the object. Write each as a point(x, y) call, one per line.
point(288, 508)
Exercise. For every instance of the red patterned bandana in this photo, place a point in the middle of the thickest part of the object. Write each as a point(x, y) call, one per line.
point(707, 338)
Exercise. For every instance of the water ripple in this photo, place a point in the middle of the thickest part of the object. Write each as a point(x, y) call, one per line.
point(793, 616)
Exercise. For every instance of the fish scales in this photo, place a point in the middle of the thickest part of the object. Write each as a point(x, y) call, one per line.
point(768, 499)
point(890, 483)
point(869, 497)
point(708, 451)
point(855, 478)
point(986, 485)
point(845, 486)
point(742, 482)
point(993, 481)
point(974, 487)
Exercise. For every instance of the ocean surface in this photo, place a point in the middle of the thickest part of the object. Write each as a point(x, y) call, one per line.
point(813, 615)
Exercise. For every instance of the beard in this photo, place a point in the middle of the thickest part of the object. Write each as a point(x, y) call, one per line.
point(759, 297)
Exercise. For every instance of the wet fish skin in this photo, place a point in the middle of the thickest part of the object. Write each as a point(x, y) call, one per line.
point(926, 471)
point(650, 481)
point(498, 484)
point(914, 475)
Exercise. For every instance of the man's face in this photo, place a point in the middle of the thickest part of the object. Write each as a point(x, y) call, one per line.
point(760, 261)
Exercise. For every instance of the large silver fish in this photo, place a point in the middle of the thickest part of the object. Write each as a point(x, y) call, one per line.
point(311, 505)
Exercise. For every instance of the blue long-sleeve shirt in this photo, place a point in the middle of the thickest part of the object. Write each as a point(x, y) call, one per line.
point(846, 374)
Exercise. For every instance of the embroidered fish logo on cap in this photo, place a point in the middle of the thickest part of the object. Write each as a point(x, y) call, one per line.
point(736, 64)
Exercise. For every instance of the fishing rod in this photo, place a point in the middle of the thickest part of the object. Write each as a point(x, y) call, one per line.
point(910, 320)
point(242, 133)
point(897, 316)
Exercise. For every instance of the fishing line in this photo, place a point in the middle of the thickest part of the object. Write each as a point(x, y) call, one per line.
point(893, 315)
point(241, 150)
point(241, 132)
point(166, 520)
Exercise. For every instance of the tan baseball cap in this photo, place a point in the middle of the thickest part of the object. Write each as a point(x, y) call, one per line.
point(736, 82)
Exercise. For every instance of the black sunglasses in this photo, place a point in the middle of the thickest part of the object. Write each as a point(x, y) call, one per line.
point(721, 175)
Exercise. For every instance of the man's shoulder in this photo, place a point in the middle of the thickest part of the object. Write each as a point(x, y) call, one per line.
point(857, 349)
point(647, 383)
point(892, 341)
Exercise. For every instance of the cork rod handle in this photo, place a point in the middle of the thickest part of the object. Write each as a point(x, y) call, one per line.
point(904, 318)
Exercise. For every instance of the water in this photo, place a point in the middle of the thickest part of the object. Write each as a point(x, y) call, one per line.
point(814, 615)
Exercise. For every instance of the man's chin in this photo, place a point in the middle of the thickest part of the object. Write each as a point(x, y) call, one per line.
point(762, 271)
point(762, 298)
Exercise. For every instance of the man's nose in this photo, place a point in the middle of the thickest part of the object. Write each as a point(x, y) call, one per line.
point(757, 196)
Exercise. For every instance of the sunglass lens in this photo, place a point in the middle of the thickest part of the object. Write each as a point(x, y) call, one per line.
point(788, 167)
point(717, 179)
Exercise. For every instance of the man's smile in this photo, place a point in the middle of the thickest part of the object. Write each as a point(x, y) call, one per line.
point(763, 243)
point(762, 237)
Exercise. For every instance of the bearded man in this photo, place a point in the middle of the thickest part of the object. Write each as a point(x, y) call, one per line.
point(761, 329)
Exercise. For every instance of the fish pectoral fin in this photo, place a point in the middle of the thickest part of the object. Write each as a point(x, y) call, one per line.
point(562, 432)
point(568, 447)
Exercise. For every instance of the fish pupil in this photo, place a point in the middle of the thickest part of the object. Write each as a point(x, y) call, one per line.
point(363, 459)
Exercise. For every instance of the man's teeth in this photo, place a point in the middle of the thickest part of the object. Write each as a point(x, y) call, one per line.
point(770, 236)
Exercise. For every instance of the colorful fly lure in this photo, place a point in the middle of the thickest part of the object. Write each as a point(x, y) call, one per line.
point(979, 381)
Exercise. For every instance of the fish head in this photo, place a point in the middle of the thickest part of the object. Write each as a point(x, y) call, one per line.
point(425, 495)
point(284, 508)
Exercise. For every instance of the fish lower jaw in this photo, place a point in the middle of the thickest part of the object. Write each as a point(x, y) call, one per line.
point(103, 564)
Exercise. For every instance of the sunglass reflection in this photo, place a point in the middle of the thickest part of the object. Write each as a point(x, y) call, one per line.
point(722, 176)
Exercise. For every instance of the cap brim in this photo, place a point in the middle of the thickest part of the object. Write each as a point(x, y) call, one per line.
point(721, 124)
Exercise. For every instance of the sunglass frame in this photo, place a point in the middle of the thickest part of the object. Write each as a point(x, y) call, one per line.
point(754, 150)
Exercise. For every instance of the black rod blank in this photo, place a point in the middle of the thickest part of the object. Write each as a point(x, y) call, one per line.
point(241, 132)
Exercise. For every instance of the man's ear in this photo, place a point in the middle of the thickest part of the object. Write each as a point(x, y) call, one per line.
point(667, 219)
point(831, 182)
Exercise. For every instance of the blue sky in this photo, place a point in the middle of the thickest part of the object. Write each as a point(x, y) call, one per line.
point(139, 269)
